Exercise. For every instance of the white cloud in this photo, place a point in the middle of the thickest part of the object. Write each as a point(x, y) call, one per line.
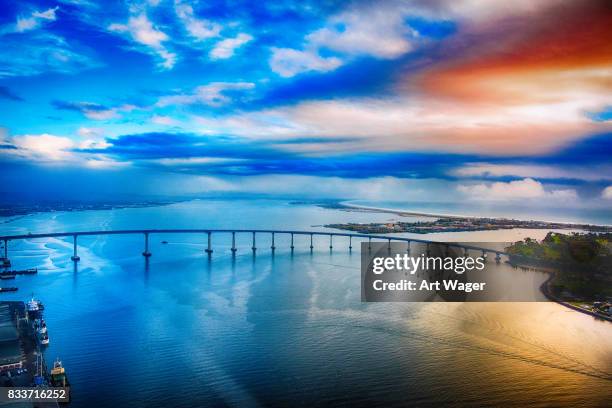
point(35, 19)
point(41, 53)
point(377, 31)
point(419, 123)
point(226, 48)
point(200, 29)
point(45, 146)
point(213, 94)
point(93, 138)
point(514, 190)
point(589, 173)
point(607, 193)
point(288, 62)
point(163, 120)
point(142, 31)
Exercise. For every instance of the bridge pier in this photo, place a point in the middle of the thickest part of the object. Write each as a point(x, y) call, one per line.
point(146, 252)
point(497, 257)
point(389, 245)
point(75, 257)
point(331, 242)
point(350, 243)
point(209, 250)
point(484, 255)
point(292, 247)
point(6, 262)
point(408, 248)
point(273, 247)
point(311, 247)
point(369, 243)
point(253, 247)
point(234, 243)
point(428, 251)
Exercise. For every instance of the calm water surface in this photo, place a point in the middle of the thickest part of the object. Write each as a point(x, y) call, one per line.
point(287, 330)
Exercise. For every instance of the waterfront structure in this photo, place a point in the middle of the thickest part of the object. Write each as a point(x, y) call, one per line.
point(233, 232)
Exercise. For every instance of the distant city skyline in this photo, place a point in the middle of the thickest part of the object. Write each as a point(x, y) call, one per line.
point(486, 101)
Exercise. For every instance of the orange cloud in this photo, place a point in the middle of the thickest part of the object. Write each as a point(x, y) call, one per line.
point(554, 54)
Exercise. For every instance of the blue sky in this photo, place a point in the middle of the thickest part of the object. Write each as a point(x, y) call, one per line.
point(442, 100)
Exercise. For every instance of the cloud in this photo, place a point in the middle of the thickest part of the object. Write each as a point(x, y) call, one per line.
point(93, 138)
point(163, 120)
point(200, 29)
point(35, 19)
point(607, 193)
point(214, 94)
point(376, 31)
point(421, 124)
point(514, 190)
point(142, 31)
point(44, 146)
point(92, 110)
point(225, 48)
point(6, 93)
point(288, 62)
point(570, 172)
point(40, 53)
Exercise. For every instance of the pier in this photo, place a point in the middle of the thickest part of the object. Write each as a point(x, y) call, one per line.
point(207, 234)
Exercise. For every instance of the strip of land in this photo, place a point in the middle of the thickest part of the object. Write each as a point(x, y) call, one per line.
point(445, 223)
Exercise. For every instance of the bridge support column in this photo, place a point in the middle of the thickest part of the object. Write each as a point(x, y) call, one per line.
point(408, 248)
point(389, 245)
point(146, 252)
point(350, 243)
point(273, 247)
point(74, 257)
point(292, 247)
point(233, 242)
point(497, 257)
point(331, 242)
point(6, 261)
point(254, 248)
point(369, 243)
point(428, 251)
point(209, 247)
point(311, 246)
point(484, 255)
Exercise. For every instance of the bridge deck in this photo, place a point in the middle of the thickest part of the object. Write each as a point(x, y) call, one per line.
point(147, 232)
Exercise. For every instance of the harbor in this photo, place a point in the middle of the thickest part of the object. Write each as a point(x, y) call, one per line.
point(23, 341)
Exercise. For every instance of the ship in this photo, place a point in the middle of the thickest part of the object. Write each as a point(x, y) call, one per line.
point(58, 375)
point(32, 309)
point(42, 327)
point(44, 339)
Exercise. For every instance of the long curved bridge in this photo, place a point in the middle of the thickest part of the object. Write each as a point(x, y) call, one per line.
point(253, 232)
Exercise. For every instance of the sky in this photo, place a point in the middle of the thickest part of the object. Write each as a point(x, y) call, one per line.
point(465, 100)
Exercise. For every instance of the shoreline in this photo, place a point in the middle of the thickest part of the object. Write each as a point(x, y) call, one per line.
point(545, 289)
point(569, 225)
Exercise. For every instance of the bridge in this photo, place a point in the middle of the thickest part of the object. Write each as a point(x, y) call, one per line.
point(233, 232)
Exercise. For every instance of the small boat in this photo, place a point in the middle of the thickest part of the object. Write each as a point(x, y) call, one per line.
point(42, 328)
point(9, 289)
point(58, 375)
point(31, 271)
point(32, 305)
point(164, 242)
point(7, 276)
point(44, 339)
